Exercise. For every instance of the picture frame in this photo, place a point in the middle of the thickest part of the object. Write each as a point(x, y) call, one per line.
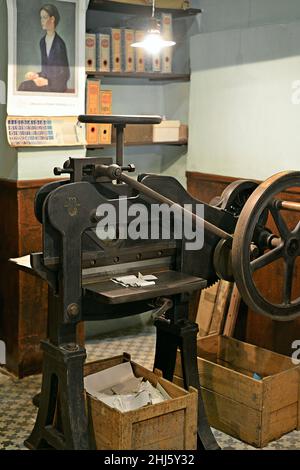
point(46, 61)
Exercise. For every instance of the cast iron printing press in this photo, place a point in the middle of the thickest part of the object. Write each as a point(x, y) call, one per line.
point(78, 266)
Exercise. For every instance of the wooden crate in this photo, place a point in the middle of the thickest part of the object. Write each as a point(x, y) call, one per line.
point(170, 425)
point(254, 411)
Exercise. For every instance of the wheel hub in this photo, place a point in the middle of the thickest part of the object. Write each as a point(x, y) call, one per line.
point(292, 247)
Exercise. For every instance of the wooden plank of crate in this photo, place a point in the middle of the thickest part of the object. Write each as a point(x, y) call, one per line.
point(220, 307)
point(206, 308)
point(177, 380)
point(126, 433)
point(281, 390)
point(277, 423)
point(208, 347)
point(105, 424)
point(191, 418)
point(251, 357)
point(233, 310)
point(231, 384)
point(156, 432)
point(236, 419)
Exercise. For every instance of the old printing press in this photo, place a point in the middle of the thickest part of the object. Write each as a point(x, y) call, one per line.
point(78, 267)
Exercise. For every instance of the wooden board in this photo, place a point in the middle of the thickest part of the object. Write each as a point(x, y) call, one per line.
point(213, 307)
point(233, 310)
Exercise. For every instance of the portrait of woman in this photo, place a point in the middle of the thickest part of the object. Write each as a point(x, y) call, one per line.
point(46, 57)
point(55, 71)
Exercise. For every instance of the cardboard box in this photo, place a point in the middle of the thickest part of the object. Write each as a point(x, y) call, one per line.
point(166, 131)
point(254, 411)
point(170, 425)
point(137, 134)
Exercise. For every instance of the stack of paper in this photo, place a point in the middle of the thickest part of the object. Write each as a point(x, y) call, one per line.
point(120, 389)
point(135, 281)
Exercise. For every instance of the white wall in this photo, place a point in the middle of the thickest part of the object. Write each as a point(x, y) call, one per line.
point(242, 120)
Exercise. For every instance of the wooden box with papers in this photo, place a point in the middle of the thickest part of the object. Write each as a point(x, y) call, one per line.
point(131, 421)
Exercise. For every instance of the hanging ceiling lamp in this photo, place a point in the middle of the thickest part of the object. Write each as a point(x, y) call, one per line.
point(153, 41)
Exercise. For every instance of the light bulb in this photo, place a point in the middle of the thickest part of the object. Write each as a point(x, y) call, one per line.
point(153, 43)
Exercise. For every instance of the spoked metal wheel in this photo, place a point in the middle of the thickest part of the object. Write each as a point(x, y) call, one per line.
point(266, 238)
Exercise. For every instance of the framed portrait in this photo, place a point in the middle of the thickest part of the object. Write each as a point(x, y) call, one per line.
point(46, 57)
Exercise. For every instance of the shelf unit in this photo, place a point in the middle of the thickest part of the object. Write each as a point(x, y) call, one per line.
point(137, 144)
point(139, 10)
point(180, 77)
point(112, 8)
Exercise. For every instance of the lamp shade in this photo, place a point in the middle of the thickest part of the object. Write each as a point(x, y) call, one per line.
point(153, 41)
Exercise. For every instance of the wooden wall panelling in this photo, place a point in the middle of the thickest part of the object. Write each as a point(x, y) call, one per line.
point(23, 298)
point(261, 330)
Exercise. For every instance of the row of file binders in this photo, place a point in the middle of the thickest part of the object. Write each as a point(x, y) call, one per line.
point(98, 102)
point(110, 50)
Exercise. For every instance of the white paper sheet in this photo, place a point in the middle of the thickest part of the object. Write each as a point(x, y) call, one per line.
point(104, 379)
point(120, 389)
point(136, 281)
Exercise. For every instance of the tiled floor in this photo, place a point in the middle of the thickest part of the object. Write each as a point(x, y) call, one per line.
point(17, 414)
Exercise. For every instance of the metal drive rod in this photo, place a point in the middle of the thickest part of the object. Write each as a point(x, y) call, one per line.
point(288, 205)
point(115, 172)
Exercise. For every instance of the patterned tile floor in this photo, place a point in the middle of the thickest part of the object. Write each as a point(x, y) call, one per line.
point(17, 414)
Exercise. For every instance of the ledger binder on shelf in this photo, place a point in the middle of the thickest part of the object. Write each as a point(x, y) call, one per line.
point(103, 52)
point(105, 130)
point(116, 49)
point(167, 52)
point(90, 52)
point(128, 50)
point(139, 52)
point(92, 107)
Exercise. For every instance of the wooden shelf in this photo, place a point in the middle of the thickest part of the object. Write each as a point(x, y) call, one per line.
point(180, 77)
point(136, 144)
point(117, 7)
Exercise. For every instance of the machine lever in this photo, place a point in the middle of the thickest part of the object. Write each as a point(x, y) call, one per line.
point(115, 172)
point(61, 171)
point(130, 168)
point(162, 305)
